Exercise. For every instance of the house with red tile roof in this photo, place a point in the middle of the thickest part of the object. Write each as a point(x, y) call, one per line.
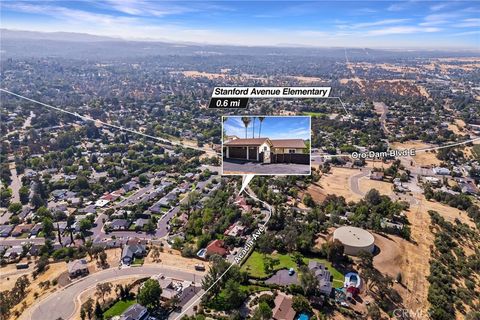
point(216, 247)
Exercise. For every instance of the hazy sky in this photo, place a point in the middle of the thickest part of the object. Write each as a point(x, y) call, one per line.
point(385, 24)
point(272, 127)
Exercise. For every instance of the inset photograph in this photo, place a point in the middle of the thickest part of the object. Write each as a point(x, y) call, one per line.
point(266, 145)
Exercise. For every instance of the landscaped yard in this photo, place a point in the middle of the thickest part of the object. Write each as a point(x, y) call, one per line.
point(118, 308)
point(137, 261)
point(254, 265)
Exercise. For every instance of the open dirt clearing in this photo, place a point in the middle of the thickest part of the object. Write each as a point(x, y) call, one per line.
point(365, 185)
point(173, 258)
point(337, 183)
point(422, 159)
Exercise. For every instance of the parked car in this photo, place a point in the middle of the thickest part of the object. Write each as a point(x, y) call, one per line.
point(200, 267)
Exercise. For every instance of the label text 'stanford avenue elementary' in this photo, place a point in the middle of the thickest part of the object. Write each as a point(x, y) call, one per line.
point(271, 92)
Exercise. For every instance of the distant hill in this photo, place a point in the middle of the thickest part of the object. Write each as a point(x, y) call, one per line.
point(21, 44)
point(6, 34)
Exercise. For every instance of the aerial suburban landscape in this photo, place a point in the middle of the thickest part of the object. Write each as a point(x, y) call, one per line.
point(123, 194)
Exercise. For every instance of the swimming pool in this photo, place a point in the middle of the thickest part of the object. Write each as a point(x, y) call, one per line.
point(303, 316)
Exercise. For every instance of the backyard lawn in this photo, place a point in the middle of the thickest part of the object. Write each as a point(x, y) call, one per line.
point(254, 265)
point(118, 308)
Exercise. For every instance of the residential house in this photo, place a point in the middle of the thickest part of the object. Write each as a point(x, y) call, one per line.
point(235, 230)
point(267, 150)
point(119, 224)
point(325, 279)
point(77, 268)
point(131, 251)
point(140, 222)
point(130, 186)
point(36, 229)
point(441, 171)
point(216, 247)
point(283, 307)
point(13, 253)
point(21, 228)
point(5, 230)
point(174, 289)
point(135, 312)
point(376, 175)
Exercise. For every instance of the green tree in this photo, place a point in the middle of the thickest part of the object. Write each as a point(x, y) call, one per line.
point(246, 121)
point(335, 251)
point(149, 294)
point(263, 312)
point(88, 307)
point(301, 304)
point(15, 207)
point(308, 281)
point(98, 311)
point(233, 295)
point(24, 194)
point(102, 289)
point(47, 227)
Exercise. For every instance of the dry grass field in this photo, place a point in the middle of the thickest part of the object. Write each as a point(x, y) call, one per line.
point(365, 185)
point(423, 159)
point(337, 183)
point(173, 259)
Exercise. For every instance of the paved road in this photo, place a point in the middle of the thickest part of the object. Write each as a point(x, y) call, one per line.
point(380, 106)
point(135, 196)
point(354, 187)
point(162, 227)
point(63, 303)
point(18, 242)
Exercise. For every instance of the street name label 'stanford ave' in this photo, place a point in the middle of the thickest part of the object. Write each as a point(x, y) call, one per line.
point(271, 92)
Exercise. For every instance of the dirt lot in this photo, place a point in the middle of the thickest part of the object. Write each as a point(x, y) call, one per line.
point(53, 272)
point(365, 185)
point(447, 212)
point(422, 158)
point(389, 259)
point(56, 270)
point(173, 258)
point(336, 182)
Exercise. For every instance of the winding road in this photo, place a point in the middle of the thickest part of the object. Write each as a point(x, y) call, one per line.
point(67, 297)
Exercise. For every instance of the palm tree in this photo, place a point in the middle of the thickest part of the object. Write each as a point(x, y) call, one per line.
point(253, 132)
point(246, 122)
point(261, 120)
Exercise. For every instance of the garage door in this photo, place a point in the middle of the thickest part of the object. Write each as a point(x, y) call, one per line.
point(238, 152)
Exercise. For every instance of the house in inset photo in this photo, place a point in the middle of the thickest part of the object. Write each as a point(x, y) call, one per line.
point(272, 145)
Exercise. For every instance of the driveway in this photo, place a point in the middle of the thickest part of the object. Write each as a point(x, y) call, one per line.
point(282, 278)
point(354, 186)
point(238, 167)
point(64, 302)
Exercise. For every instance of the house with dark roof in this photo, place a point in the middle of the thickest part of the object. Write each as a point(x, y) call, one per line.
point(5, 230)
point(131, 251)
point(267, 150)
point(77, 268)
point(325, 279)
point(135, 312)
point(119, 224)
